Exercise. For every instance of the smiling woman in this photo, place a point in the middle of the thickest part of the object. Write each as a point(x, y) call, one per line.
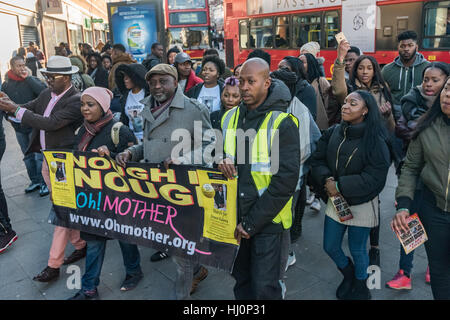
point(352, 161)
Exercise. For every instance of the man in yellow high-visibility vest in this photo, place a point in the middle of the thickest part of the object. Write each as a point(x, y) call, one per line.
point(267, 177)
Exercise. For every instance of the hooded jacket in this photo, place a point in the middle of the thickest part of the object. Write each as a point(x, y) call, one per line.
point(81, 80)
point(122, 59)
point(136, 72)
point(256, 213)
point(307, 95)
point(192, 81)
point(401, 79)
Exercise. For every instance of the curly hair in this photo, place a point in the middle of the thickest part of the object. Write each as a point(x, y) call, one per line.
point(220, 65)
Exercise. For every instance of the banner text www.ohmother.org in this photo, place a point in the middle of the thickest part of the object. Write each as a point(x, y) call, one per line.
point(144, 233)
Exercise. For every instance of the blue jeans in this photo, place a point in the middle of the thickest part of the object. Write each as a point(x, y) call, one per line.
point(94, 262)
point(406, 260)
point(357, 242)
point(33, 160)
point(186, 270)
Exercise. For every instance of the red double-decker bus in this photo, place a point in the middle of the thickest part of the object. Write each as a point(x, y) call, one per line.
point(281, 27)
point(188, 26)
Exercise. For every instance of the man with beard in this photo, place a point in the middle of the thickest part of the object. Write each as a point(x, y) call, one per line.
point(166, 110)
point(405, 72)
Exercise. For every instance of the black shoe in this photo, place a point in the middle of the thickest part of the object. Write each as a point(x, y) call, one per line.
point(158, 256)
point(7, 239)
point(43, 191)
point(32, 187)
point(374, 256)
point(346, 285)
point(359, 291)
point(131, 281)
point(47, 275)
point(75, 256)
point(80, 295)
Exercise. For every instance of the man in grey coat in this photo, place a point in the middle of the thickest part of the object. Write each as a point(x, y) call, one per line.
point(177, 130)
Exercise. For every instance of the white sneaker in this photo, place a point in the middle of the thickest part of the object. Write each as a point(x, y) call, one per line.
point(291, 260)
point(283, 288)
point(310, 199)
point(315, 205)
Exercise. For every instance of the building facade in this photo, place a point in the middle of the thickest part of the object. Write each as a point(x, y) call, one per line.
point(48, 23)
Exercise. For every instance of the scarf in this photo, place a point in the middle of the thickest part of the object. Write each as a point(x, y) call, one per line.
point(429, 100)
point(92, 129)
point(13, 76)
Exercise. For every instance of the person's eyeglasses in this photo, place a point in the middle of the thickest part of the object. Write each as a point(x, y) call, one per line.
point(50, 77)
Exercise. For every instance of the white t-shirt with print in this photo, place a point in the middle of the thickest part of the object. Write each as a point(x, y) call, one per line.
point(133, 109)
point(210, 97)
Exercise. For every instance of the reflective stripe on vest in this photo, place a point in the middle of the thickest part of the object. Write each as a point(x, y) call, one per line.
point(260, 153)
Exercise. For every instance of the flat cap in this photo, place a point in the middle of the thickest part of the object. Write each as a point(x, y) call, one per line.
point(162, 68)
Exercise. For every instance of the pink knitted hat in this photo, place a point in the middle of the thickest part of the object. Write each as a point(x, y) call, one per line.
point(102, 95)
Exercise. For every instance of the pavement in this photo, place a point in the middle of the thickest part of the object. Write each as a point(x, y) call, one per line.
point(313, 277)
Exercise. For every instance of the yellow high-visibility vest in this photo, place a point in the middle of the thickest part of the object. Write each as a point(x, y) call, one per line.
point(260, 156)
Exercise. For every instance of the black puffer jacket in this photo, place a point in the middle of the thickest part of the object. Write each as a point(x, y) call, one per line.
point(256, 213)
point(136, 72)
point(413, 105)
point(340, 154)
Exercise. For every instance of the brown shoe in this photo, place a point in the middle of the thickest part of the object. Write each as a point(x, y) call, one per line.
point(200, 276)
point(47, 275)
point(75, 256)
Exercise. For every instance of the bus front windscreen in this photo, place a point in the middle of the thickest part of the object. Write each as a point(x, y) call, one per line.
point(189, 38)
point(186, 4)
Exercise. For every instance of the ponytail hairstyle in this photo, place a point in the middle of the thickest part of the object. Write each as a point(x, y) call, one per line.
point(375, 130)
point(427, 119)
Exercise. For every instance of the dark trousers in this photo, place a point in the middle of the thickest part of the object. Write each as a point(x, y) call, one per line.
point(5, 224)
point(437, 226)
point(257, 268)
point(298, 212)
point(32, 160)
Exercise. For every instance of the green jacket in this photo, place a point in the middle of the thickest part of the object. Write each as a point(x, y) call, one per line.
point(428, 156)
point(401, 79)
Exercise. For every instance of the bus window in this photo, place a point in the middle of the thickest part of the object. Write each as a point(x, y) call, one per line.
point(437, 25)
point(261, 33)
point(188, 38)
point(331, 28)
point(306, 28)
point(282, 32)
point(243, 37)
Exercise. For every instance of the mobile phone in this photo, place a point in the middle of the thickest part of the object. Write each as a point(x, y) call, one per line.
point(340, 37)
